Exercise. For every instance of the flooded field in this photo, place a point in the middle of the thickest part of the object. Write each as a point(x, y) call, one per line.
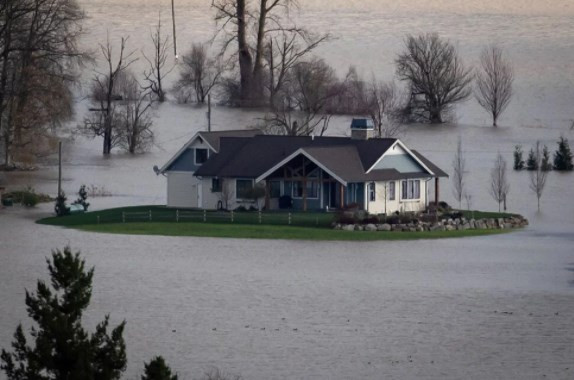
point(480, 308)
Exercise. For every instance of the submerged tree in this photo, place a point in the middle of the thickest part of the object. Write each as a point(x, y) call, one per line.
point(494, 82)
point(433, 67)
point(518, 161)
point(563, 156)
point(62, 348)
point(545, 163)
point(459, 167)
point(499, 186)
point(39, 58)
point(532, 162)
point(157, 63)
point(538, 176)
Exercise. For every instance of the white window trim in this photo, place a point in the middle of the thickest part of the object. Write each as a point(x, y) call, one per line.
point(410, 199)
point(372, 191)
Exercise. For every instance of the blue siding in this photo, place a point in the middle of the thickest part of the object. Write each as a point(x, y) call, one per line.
point(402, 162)
point(185, 162)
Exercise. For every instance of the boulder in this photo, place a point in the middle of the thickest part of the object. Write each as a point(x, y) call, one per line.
point(348, 227)
point(370, 227)
point(449, 227)
point(384, 227)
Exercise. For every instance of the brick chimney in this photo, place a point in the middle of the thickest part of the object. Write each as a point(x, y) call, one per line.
point(362, 129)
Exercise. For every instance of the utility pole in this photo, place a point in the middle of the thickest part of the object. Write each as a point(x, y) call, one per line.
point(59, 168)
point(208, 112)
point(173, 22)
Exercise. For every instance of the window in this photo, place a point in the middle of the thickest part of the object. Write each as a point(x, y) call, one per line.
point(312, 190)
point(215, 185)
point(392, 191)
point(243, 188)
point(372, 192)
point(411, 189)
point(200, 156)
point(275, 189)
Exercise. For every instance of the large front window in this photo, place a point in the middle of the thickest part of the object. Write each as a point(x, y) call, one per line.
point(200, 156)
point(312, 189)
point(275, 189)
point(243, 188)
point(411, 189)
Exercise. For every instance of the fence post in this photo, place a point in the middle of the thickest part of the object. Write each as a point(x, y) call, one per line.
point(150, 215)
point(177, 215)
point(204, 216)
point(231, 216)
point(123, 217)
point(289, 218)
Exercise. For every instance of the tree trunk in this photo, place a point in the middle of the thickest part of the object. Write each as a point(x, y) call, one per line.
point(245, 59)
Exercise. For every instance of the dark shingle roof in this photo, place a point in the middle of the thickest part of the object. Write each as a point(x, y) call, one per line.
point(349, 159)
point(213, 138)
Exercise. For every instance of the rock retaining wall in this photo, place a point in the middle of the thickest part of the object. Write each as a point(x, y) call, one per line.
point(458, 224)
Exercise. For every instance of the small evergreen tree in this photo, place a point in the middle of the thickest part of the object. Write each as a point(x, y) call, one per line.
point(61, 208)
point(82, 198)
point(157, 369)
point(63, 349)
point(563, 156)
point(545, 165)
point(518, 161)
point(531, 161)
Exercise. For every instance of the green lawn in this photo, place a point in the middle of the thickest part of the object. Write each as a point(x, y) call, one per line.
point(251, 225)
point(271, 232)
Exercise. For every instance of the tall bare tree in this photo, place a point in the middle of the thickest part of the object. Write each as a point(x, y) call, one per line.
point(459, 167)
point(301, 108)
point(538, 176)
point(199, 74)
point(432, 67)
point(104, 93)
point(494, 82)
point(499, 186)
point(384, 103)
point(134, 128)
point(284, 50)
point(39, 58)
point(157, 64)
point(250, 24)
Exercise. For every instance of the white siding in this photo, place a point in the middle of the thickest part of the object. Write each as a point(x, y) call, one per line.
point(182, 189)
point(382, 205)
point(209, 198)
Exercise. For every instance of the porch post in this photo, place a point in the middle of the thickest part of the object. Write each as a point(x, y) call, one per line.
point(267, 194)
point(304, 186)
point(436, 191)
point(342, 194)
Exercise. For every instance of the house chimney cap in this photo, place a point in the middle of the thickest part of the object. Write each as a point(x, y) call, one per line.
point(362, 123)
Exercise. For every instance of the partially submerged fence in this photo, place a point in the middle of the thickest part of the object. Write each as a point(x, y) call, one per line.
point(203, 216)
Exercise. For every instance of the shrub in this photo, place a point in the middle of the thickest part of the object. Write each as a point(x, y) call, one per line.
point(531, 162)
point(518, 161)
point(345, 219)
point(563, 156)
point(371, 219)
point(241, 209)
point(82, 198)
point(61, 208)
point(29, 199)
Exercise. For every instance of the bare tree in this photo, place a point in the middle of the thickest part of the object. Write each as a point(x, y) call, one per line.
point(538, 176)
point(227, 194)
point(103, 119)
point(499, 186)
point(301, 108)
point(199, 74)
point(284, 51)
point(39, 58)
point(494, 82)
point(384, 103)
point(157, 70)
point(263, 18)
point(433, 67)
point(134, 128)
point(458, 166)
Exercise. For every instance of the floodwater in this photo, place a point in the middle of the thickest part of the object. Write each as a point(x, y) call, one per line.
point(480, 308)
